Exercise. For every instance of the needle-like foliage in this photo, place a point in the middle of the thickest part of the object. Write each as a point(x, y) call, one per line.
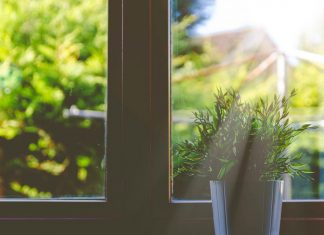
point(239, 139)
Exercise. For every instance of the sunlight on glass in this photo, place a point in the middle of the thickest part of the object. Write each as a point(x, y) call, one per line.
point(285, 21)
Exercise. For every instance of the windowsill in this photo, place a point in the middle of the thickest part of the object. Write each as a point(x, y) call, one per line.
point(49, 200)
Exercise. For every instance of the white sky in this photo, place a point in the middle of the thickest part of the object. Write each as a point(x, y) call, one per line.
point(284, 20)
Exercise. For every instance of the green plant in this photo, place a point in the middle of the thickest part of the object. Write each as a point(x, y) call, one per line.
point(233, 136)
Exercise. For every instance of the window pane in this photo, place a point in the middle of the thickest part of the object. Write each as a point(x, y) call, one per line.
point(53, 79)
point(259, 48)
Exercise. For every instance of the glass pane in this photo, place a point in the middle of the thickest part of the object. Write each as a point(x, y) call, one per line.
point(53, 80)
point(259, 48)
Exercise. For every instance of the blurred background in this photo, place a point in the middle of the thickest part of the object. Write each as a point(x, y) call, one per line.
point(260, 48)
point(53, 81)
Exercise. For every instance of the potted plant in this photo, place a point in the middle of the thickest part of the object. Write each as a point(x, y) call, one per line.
point(242, 149)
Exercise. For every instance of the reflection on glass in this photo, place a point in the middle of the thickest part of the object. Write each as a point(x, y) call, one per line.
point(260, 48)
point(53, 57)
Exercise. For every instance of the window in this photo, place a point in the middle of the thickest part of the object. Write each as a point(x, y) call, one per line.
point(246, 48)
point(53, 109)
point(126, 185)
point(276, 79)
point(138, 166)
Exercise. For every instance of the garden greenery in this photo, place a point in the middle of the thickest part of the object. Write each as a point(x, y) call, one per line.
point(53, 56)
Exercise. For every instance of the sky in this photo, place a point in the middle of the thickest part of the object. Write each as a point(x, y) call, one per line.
point(284, 20)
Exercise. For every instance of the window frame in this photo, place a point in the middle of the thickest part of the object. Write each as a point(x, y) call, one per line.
point(297, 216)
point(128, 181)
point(83, 209)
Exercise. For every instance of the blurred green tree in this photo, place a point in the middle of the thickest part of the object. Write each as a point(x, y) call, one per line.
point(53, 55)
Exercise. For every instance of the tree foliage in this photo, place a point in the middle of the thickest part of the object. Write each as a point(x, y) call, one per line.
point(184, 8)
point(53, 55)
